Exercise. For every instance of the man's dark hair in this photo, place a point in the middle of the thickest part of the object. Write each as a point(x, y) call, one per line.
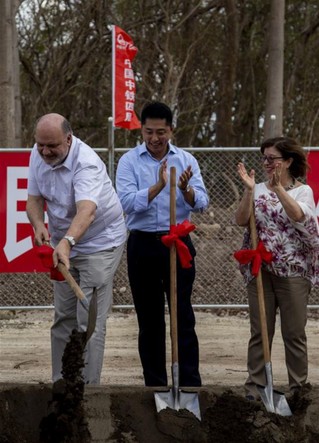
point(66, 127)
point(157, 110)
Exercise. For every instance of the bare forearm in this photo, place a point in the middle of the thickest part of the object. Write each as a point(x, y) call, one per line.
point(82, 220)
point(84, 217)
point(35, 211)
point(291, 207)
point(243, 211)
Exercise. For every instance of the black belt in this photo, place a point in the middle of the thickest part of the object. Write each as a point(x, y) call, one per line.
point(147, 234)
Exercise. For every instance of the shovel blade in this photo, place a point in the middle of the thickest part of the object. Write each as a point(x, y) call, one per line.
point(164, 400)
point(92, 315)
point(266, 394)
point(185, 400)
point(274, 401)
point(281, 404)
point(190, 401)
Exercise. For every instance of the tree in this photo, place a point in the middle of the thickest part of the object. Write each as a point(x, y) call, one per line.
point(275, 80)
point(208, 60)
point(225, 135)
point(10, 109)
point(301, 115)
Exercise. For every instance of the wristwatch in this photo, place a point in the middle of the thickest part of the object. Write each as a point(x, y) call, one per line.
point(187, 189)
point(70, 239)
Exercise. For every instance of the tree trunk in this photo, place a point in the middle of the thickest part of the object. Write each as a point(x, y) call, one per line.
point(9, 77)
point(16, 76)
point(224, 123)
point(275, 79)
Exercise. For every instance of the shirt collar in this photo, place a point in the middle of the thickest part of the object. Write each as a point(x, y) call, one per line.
point(142, 149)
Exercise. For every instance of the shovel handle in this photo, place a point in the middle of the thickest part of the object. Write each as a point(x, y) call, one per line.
point(260, 289)
point(73, 284)
point(173, 284)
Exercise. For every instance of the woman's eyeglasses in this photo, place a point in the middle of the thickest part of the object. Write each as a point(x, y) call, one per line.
point(270, 160)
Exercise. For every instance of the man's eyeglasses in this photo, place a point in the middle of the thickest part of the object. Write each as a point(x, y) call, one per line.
point(270, 160)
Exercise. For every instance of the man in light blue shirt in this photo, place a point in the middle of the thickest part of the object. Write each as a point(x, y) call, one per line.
point(142, 182)
point(86, 228)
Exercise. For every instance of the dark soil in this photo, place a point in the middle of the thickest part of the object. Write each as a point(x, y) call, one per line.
point(226, 418)
point(128, 414)
point(66, 421)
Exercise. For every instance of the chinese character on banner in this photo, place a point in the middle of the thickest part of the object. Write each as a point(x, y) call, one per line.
point(16, 233)
point(124, 52)
point(313, 176)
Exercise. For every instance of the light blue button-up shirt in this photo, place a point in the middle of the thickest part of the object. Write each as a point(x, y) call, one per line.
point(82, 176)
point(137, 171)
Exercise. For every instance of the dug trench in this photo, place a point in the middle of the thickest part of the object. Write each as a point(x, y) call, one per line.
point(71, 412)
point(46, 413)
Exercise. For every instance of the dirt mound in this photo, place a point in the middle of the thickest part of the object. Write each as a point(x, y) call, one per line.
point(123, 410)
point(128, 415)
point(226, 418)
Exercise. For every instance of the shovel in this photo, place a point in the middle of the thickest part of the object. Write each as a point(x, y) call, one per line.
point(90, 307)
point(273, 400)
point(175, 398)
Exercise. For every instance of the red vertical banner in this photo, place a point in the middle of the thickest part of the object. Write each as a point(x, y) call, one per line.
point(124, 88)
point(313, 176)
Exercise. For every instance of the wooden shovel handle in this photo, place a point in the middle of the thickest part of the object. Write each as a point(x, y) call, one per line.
point(260, 289)
point(73, 284)
point(173, 284)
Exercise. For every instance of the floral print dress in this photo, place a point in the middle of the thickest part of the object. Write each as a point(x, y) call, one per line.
point(294, 245)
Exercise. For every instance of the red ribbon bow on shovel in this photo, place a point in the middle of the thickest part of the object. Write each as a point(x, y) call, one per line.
point(175, 232)
point(255, 256)
point(45, 254)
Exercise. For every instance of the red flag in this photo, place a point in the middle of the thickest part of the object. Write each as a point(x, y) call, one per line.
point(124, 89)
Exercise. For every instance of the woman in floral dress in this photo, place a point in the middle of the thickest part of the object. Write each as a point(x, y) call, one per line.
point(287, 225)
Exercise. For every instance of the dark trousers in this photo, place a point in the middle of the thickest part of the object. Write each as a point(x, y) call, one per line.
point(149, 275)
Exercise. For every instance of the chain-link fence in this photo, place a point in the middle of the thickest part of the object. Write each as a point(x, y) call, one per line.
point(218, 281)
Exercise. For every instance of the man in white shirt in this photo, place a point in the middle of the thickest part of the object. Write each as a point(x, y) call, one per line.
point(86, 228)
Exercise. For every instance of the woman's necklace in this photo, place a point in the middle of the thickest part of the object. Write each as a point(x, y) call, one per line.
point(291, 186)
point(288, 187)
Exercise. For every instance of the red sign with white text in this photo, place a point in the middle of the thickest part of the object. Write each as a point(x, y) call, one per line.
point(16, 233)
point(124, 89)
point(313, 176)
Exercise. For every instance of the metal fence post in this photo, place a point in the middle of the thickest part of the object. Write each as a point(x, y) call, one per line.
point(111, 149)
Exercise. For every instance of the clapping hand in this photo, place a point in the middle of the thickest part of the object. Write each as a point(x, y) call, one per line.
point(163, 173)
point(275, 179)
point(247, 179)
point(184, 178)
